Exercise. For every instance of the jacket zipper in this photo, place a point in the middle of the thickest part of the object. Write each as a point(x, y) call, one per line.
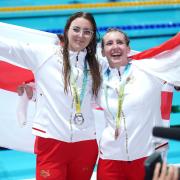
point(71, 128)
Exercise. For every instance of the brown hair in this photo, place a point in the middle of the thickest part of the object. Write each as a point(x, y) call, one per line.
point(91, 54)
point(116, 30)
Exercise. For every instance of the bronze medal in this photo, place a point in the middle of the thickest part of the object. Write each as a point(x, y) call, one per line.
point(116, 134)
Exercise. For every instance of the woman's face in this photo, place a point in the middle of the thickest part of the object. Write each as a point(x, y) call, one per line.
point(79, 34)
point(115, 49)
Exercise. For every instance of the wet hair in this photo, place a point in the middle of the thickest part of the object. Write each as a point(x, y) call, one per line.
point(90, 56)
point(127, 40)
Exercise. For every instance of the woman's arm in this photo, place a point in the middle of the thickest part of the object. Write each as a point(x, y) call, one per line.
point(19, 53)
point(25, 46)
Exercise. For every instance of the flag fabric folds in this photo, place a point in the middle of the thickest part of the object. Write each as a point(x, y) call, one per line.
point(166, 46)
point(11, 76)
point(162, 61)
point(12, 136)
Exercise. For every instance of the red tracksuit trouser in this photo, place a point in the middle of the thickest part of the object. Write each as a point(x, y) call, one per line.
point(57, 160)
point(121, 170)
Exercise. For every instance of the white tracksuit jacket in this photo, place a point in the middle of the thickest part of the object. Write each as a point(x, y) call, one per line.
point(55, 109)
point(141, 107)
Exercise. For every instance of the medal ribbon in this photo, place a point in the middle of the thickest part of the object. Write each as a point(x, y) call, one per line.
point(123, 82)
point(78, 98)
point(120, 101)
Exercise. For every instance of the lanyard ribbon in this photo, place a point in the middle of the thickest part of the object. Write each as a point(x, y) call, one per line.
point(124, 81)
point(78, 97)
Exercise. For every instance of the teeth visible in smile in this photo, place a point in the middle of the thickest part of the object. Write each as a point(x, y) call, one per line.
point(116, 54)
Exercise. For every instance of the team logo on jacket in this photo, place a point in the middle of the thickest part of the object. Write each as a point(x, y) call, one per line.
point(78, 119)
point(44, 173)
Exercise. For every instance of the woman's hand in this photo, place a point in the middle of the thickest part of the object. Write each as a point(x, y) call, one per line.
point(25, 88)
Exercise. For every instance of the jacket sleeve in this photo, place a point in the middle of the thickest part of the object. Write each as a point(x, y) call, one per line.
point(23, 54)
point(25, 46)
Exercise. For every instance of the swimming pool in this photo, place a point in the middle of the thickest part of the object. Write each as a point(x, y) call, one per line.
point(147, 26)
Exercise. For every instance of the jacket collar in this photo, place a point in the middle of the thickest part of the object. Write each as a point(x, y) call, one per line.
point(77, 58)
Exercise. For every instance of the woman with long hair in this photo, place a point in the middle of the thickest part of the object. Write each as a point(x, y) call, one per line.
point(66, 79)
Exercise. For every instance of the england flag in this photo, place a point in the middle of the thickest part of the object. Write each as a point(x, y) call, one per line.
point(162, 61)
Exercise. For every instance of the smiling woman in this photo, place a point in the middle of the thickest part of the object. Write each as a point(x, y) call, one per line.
point(80, 34)
point(115, 49)
point(64, 117)
point(131, 99)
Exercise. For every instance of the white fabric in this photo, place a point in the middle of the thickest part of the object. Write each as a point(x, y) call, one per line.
point(165, 66)
point(53, 107)
point(12, 136)
point(27, 35)
point(22, 110)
